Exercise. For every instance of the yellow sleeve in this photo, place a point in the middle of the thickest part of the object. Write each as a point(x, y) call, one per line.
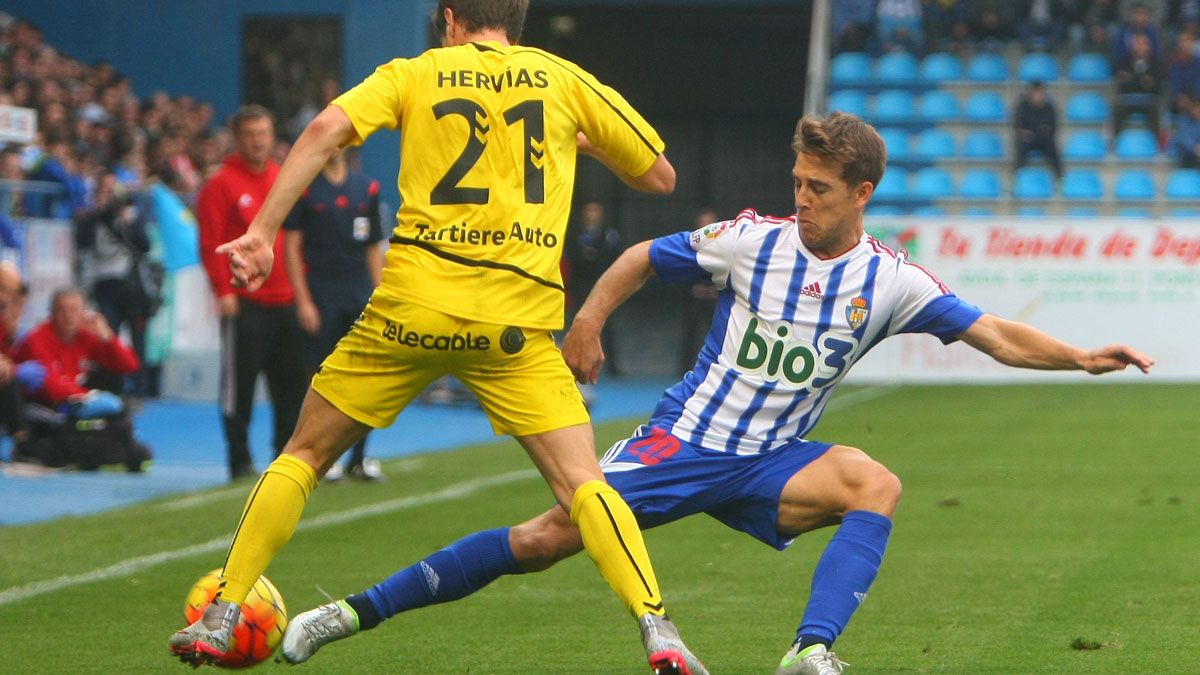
point(612, 125)
point(377, 102)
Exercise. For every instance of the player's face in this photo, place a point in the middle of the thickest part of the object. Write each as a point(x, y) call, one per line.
point(255, 140)
point(828, 211)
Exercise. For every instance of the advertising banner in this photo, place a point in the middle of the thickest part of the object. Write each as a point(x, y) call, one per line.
point(1090, 282)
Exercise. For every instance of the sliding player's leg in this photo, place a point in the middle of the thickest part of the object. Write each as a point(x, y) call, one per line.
point(843, 486)
point(268, 520)
point(462, 568)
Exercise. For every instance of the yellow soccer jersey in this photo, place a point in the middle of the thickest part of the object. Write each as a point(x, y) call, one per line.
point(487, 169)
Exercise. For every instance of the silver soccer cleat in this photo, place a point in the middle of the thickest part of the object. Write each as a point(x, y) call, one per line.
point(309, 631)
point(210, 637)
point(813, 660)
point(665, 649)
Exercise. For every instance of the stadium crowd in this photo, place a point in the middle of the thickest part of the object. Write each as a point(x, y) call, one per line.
point(1150, 45)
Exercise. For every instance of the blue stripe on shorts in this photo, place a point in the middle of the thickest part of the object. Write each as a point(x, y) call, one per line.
point(664, 478)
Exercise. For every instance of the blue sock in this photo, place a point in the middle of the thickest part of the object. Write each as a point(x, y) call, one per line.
point(843, 575)
point(452, 573)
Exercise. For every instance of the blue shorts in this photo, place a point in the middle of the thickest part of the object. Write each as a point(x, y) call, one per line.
point(664, 478)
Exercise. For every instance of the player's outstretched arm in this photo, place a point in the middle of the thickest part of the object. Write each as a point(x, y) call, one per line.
point(251, 255)
point(581, 347)
point(1021, 345)
point(659, 180)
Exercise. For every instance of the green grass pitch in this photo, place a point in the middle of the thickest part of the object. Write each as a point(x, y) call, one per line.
point(1042, 529)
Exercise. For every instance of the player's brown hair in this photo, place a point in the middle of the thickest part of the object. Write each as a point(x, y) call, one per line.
point(845, 139)
point(251, 111)
point(475, 15)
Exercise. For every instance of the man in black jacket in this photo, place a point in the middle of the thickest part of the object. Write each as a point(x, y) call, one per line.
point(1037, 127)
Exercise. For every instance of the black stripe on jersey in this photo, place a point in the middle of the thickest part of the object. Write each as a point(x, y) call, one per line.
point(483, 48)
point(471, 262)
point(617, 110)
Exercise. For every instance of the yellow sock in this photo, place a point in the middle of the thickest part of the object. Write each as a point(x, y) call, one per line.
point(614, 542)
point(268, 521)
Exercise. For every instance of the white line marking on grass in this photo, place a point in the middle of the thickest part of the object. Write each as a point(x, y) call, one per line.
point(860, 396)
point(196, 500)
point(127, 567)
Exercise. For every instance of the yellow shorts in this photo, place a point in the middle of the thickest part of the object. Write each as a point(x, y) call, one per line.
point(396, 349)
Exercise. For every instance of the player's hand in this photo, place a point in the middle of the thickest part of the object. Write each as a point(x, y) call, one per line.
point(1115, 357)
point(582, 351)
point(309, 317)
point(250, 260)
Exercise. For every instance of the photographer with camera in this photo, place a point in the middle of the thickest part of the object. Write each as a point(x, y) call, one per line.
point(113, 253)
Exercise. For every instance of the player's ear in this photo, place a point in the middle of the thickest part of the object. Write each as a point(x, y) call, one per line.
point(862, 194)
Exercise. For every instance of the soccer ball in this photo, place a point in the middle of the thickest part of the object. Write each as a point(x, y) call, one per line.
point(259, 630)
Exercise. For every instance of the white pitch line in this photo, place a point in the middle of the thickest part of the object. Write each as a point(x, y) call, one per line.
point(127, 567)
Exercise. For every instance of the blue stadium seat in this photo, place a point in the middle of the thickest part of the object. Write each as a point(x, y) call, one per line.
point(893, 187)
point(934, 144)
point(1184, 213)
point(850, 101)
point(850, 68)
point(893, 105)
point(1085, 144)
point(980, 184)
point(985, 106)
point(1183, 184)
point(1134, 184)
point(941, 67)
point(1088, 68)
point(884, 211)
point(1087, 107)
point(1134, 213)
point(978, 211)
point(987, 67)
point(1037, 67)
point(896, 141)
point(1030, 211)
point(896, 69)
point(939, 106)
point(929, 210)
point(1033, 183)
point(1136, 144)
point(982, 145)
point(932, 183)
point(1083, 212)
point(1082, 184)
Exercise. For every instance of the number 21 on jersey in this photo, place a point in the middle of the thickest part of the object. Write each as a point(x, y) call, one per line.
point(529, 114)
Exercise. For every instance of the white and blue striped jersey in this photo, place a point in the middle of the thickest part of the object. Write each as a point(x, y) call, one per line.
point(787, 327)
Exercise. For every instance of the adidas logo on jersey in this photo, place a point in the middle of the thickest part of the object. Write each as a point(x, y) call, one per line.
point(813, 290)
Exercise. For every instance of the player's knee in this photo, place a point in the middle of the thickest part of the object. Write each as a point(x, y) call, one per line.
point(539, 543)
point(878, 488)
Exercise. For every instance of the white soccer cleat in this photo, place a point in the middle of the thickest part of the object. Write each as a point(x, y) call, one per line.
point(813, 660)
point(335, 473)
point(665, 649)
point(210, 637)
point(309, 631)
point(370, 470)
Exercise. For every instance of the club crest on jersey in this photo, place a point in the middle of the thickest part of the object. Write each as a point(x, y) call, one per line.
point(710, 232)
point(856, 312)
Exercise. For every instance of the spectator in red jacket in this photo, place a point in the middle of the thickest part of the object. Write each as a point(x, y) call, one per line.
point(259, 330)
point(67, 345)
